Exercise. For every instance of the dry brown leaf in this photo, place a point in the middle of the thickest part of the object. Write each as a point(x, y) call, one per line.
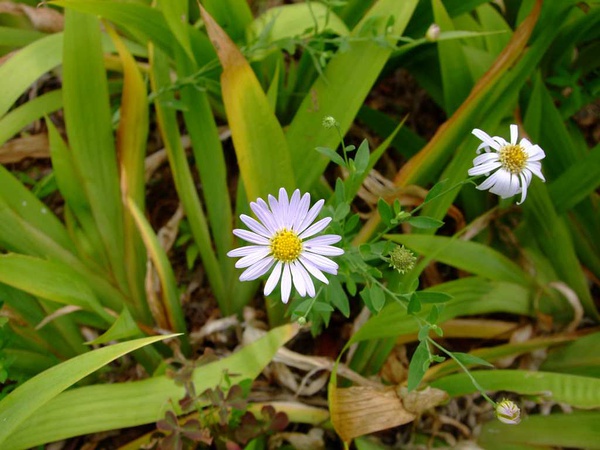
point(34, 146)
point(313, 440)
point(56, 314)
point(418, 402)
point(166, 236)
point(360, 410)
point(42, 18)
point(213, 326)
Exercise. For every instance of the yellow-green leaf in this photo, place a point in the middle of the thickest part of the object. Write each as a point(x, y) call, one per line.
point(259, 142)
point(18, 406)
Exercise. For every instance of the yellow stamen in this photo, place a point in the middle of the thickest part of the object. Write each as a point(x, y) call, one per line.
point(286, 246)
point(513, 158)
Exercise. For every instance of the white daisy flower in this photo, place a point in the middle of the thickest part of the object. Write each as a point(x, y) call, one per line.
point(280, 240)
point(513, 165)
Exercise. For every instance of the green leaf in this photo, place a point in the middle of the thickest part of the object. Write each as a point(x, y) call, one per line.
point(500, 352)
point(551, 228)
point(302, 308)
point(123, 328)
point(292, 21)
point(435, 191)
point(145, 23)
point(433, 315)
point(340, 191)
point(576, 429)
point(576, 182)
point(322, 307)
point(361, 160)
point(468, 359)
point(574, 390)
point(581, 357)
point(27, 65)
point(50, 280)
point(357, 180)
point(351, 223)
point(377, 297)
point(423, 332)
point(470, 256)
point(425, 223)
point(336, 295)
point(27, 225)
point(79, 214)
point(492, 19)
point(432, 297)
point(18, 37)
point(132, 137)
point(342, 210)
point(210, 160)
point(405, 141)
point(414, 304)
point(494, 93)
point(470, 296)
point(456, 78)
point(366, 297)
point(89, 128)
point(233, 15)
point(340, 95)
point(332, 155)
point(385, 211)
point(92, 409)
point(184, 181)
point(176, 15)
point(34, 109)
point(18, 407)
point(255, 130)
point(418, 365)
point(170, 295)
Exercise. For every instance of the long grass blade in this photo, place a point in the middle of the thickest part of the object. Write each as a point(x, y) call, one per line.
point(471, 256)
point(577, 429)
point(254, 128)
point(574, 390)
point(108, 407)
point(25, 114)
point(25, 400)
point(470, 296)
point(305, 133)
point(89, 127)
point(26, 66)
point(184, 181)
point(171, 304)
point(132, 135)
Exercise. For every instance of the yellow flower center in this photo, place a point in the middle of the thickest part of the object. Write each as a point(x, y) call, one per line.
point(513, 158)
point(286, 246)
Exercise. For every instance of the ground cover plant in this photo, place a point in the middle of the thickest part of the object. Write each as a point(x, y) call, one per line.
point(257, 224)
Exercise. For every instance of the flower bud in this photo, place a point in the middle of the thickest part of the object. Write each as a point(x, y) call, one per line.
point(301, 320)
point(402, 259)
point(433, 32)
point(508, 412)
point(329, 122)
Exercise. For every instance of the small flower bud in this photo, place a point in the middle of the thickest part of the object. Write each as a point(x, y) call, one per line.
point(301, 320)
point(433, 32)
point(329, 122)
point(402, 259)
point(508, 412)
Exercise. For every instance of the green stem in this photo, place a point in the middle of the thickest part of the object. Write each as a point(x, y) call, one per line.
point(465, 370)
point(339, 130)
point(314, 299)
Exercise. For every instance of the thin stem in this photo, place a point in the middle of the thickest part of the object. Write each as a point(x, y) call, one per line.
point(464, 368)
point(339, 130)
point(314, 299)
